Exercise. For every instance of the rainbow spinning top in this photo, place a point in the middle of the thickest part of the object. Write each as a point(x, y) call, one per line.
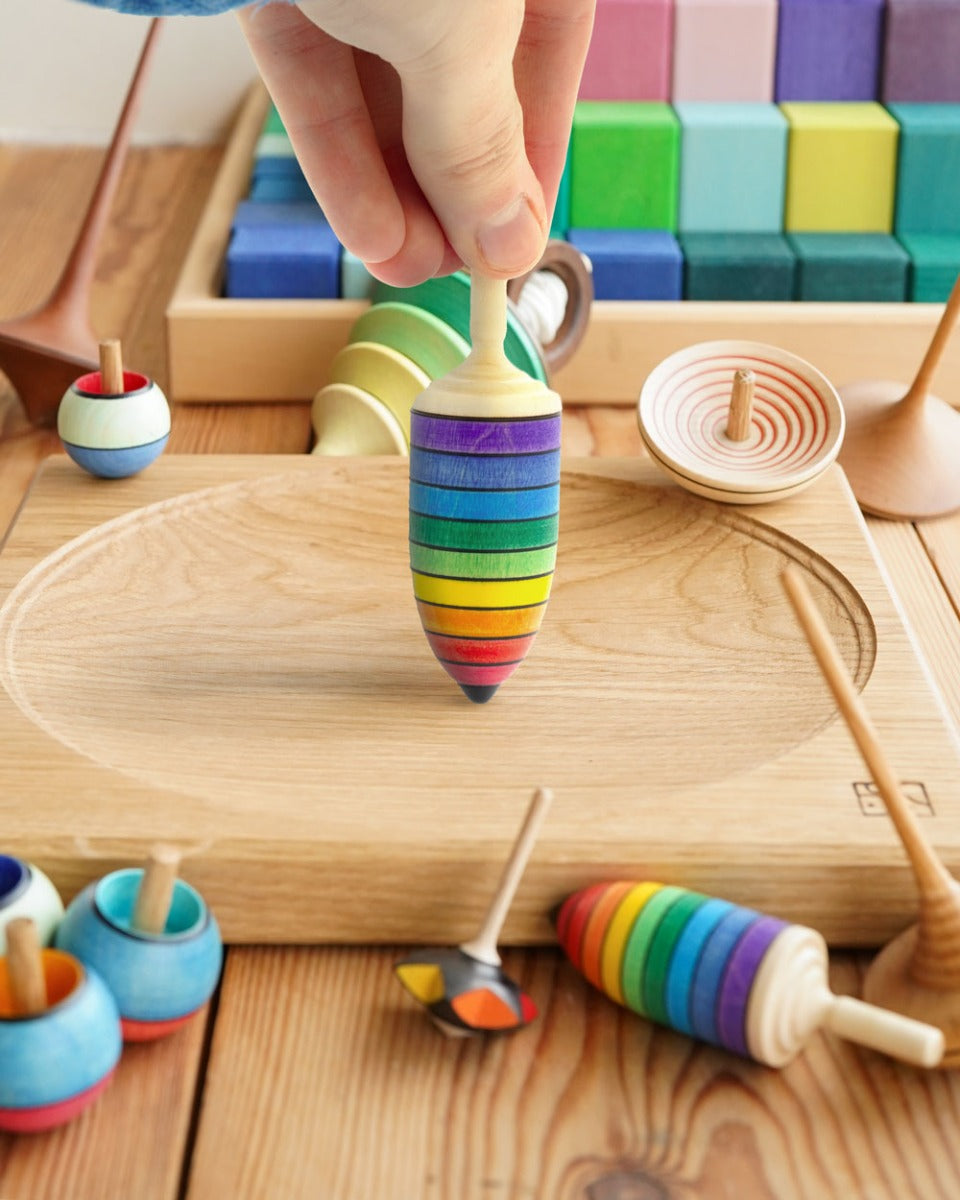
point(484, 505)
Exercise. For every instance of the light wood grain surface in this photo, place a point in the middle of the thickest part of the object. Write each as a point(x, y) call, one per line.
point(322, 1077)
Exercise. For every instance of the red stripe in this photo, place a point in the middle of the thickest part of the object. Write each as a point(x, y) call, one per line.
point(479, 650)
point(480, 675)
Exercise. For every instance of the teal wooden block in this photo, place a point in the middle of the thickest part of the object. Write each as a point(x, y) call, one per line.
point(934, 265)
point(272, 123)
point(733, 166)
point(356, 282)
point(928, 169)
point(867, 267)
point(737, 266)
point(561, 211)
point(625, 159)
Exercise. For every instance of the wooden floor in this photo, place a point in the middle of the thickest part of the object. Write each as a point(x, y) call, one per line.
point(311, 1076)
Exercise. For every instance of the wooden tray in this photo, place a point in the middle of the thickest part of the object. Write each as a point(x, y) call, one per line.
point(240, 669)
point(236, 350)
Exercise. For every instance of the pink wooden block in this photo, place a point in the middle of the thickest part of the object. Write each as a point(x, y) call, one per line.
point(630, 51)
point(724, 49)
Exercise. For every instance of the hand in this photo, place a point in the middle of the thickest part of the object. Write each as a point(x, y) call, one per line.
point(432, 132)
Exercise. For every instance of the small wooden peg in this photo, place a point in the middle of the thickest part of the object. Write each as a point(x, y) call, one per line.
point(152, 906)
point(741, 406)
point(28, 985)
point(111, 367)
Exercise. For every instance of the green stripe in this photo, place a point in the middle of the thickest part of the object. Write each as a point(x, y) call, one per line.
point(638, 946)
point(457, 564)
point(483, 535)
point(661, 950)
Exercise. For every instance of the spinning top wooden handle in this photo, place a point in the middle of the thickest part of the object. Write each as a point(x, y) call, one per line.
point(111, 367)
point(28, 985)
point(152, 906)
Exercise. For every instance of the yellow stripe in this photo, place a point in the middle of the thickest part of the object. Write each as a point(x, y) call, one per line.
point(481, 593)
point(618, 931)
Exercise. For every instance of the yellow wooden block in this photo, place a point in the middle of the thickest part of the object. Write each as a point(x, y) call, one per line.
point(841, 167)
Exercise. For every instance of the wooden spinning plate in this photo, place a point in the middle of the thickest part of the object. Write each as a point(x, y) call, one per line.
point(241, 670)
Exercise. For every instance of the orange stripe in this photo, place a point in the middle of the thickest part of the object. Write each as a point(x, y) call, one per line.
point(596, 930)
point(480, 622)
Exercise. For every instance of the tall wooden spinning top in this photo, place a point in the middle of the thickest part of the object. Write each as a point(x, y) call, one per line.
point(464, 988)
point(918, 973)
point(484, 502)
point(740, 421)
point(44, 351)
point(902, 449)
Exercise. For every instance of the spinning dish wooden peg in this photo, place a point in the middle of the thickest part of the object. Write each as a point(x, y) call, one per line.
point(43, 351)
point(725, 974)
point(741, 422)
point(918, 973)
point(59, 1034)
point(464, 988)
point(152, 939)
point(902, 449)
point(484, 502)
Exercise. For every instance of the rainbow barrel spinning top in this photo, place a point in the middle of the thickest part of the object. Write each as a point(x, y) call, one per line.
point(152, 939)
point(26, 892)
point(59, 1034)
point(464, 988)
point(484, 505)
point(740, 422)
point(724, 974)
point(113, 422)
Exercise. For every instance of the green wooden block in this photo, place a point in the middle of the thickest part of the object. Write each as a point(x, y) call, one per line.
point(928, 168)
point(934, 265)
point(561, 211)
point(273, 124)
point(737, 266)
point(850, 266)
point(625, 165)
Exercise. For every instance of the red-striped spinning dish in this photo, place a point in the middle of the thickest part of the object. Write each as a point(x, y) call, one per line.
point(795, 429)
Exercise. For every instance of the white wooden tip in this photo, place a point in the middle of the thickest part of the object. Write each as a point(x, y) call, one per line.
point(155, 893)
point(890, 1032)
point(741, 406)
point(111, 367)
point(28, 985)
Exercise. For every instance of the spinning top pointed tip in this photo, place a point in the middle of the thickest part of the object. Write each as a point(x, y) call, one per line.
point(479, 693)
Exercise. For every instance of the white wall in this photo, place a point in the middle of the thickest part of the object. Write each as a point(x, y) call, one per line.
point(65, 68)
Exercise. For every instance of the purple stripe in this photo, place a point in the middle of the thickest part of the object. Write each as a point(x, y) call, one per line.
point(737, 982)
point(484, 437)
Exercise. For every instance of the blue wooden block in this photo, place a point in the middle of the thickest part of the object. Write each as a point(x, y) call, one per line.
point(632, 264)
point(737, 266)
point(733, 161)
point(934, 265)
point(270, 188)
point(291, 260)
point(276, 166)
point(829, 49)
point(857, 267)
point(928, 168)
point(296, 212)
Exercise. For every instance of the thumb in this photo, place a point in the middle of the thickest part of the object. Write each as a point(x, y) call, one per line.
point(463, 136)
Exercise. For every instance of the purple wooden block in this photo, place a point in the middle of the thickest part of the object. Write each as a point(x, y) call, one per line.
point(738, 982)
point(829, 49)
point(920, 59)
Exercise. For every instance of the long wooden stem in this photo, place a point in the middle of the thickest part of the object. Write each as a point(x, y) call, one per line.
point(28, 986)
point(488, 318)
point(152, 905)
point(484, 945)
point(918, 390)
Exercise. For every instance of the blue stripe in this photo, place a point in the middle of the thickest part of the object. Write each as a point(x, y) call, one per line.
point(709, 974)
point(483, 471)
point(484, 506)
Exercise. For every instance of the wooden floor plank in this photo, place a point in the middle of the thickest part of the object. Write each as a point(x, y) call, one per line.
point(334, 1084)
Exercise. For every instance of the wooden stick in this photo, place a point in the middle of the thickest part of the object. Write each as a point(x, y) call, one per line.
point(891, 1033)
point(28, 985)
point(111, 367)
point(484, 945)
point(741, 406)
point(488, 318)
point(918, 390)
point(152, 905)
point(933, 879)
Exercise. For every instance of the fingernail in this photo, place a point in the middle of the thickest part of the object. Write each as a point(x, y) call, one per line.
point(512, 239)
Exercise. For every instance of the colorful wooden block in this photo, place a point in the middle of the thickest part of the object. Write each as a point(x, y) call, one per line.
point(272, 122)
point(928, 168)
point(868, 267)
point(560, 222)
point(920, 52)
point(737, 266)
point(829, 49)
point(934, 265)
point(285, 189)
point(625, 165)
point(841, 167)
point(282, 251)
point(356, 282)
point(632, 264)
point(733, 162)
point(631, 51)
point(724, 49)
